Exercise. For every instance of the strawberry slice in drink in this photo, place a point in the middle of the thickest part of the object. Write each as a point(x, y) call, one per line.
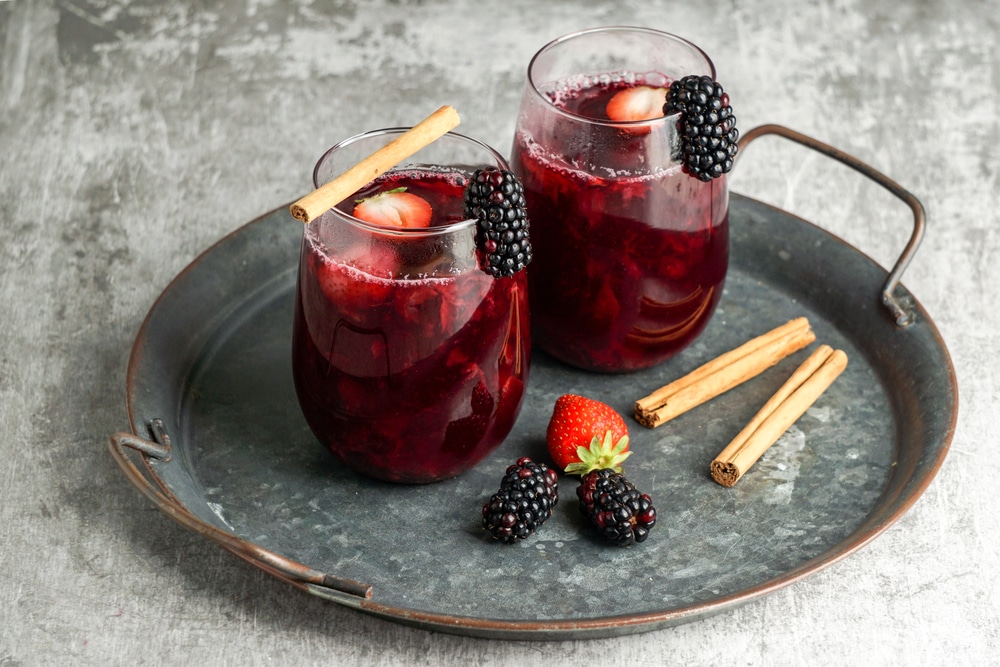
point(395, 208)
point(399, 209)
point(354, 289)
point(636, 104)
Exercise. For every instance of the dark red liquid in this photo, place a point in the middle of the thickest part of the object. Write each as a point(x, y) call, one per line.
point(408, 379)
point(627, 269)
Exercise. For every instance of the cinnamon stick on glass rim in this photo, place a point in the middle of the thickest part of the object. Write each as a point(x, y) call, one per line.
point(325, 197)
point(782, 410)
point(723, 373)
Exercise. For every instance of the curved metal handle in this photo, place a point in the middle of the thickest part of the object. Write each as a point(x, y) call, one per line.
point(900, 315)
point(289, 571)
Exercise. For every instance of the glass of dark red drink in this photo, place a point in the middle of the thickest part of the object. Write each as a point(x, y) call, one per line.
point(631, 251)
point(409, 361)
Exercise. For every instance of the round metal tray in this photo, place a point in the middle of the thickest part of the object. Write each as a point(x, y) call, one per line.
point(219, 445)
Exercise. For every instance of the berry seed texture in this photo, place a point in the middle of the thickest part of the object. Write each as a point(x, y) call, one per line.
point(707, 126)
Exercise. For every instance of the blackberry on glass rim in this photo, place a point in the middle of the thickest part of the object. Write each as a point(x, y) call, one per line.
point(706, 127)
point(495, 198)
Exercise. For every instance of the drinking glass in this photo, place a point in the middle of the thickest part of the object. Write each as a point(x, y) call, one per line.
point(630, 252)
point(409, 360)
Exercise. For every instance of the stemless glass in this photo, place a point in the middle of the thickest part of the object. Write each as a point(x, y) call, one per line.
point(409, 360)
point(630, 252)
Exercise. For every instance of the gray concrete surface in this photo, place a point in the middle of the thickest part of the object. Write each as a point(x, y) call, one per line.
point(133, 135)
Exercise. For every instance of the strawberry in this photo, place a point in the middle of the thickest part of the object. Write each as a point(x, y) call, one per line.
point(355, 294)
point(638, 103)
point(394, 208)
point(585, 434)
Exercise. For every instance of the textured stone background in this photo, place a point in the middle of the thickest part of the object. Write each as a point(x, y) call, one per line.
point(133, 135)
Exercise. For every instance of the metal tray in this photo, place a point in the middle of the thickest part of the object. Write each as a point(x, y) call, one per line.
point(219, 445)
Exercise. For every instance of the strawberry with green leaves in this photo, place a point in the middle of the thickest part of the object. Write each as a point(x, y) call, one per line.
point(588, 438)
point(585, 434)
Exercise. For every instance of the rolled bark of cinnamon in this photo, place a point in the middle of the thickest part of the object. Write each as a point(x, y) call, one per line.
point(723, 373)
point(325, 197)
point(783, 409)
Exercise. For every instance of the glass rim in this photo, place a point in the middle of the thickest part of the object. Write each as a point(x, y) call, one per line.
point(439, 230)
point(610, 29)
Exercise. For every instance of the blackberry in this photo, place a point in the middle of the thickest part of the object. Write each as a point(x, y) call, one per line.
point(707, 126)
point(615, 508)
point(495, 198)
point(528, 492)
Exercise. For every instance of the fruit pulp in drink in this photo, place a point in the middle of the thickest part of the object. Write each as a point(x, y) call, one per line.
point(409, 361)
point(629, 264)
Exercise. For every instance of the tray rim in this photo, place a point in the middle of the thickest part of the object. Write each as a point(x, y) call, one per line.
point(605, 626)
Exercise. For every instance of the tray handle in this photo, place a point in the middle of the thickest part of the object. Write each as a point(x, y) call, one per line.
point(900, 315)
point(151, 486)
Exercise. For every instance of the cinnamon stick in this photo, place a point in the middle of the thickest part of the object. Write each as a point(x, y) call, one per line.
point(783, 409)
point(325, 197)
point(723, 373)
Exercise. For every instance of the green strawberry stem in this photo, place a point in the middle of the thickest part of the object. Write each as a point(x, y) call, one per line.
point(601, 454)
point(381, 194)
